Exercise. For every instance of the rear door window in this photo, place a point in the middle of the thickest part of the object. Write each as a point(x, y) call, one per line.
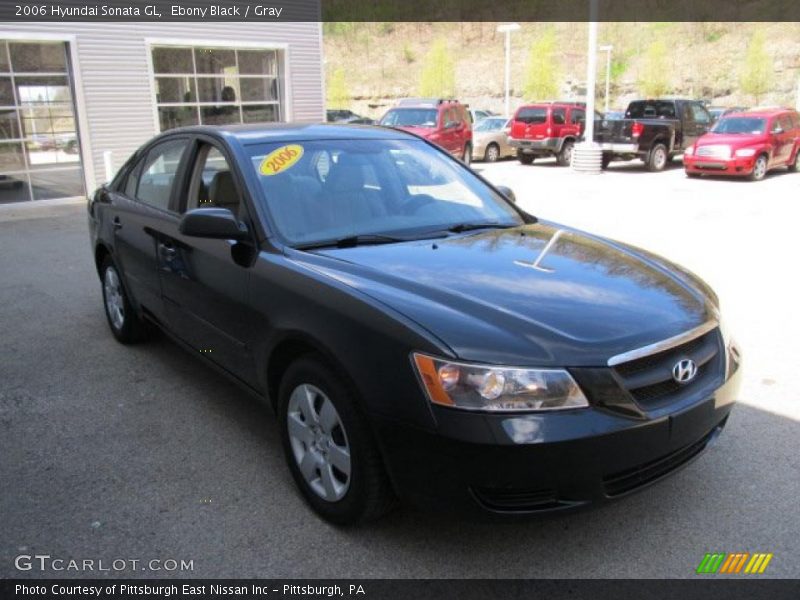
point(159, 172)
point(577, 115)
point(559, 116)
point(532, 115)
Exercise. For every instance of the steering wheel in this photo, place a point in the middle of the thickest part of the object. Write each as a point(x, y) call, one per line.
point(416, 202)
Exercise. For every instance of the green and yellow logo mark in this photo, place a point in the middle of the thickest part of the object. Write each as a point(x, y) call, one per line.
point(738, 562)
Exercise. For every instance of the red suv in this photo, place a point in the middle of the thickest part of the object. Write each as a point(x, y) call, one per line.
point(747, 144)
point(547, 129)
point(443, 122)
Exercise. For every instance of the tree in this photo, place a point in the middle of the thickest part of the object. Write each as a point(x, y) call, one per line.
point(653, 80)
point(757, 70)
point(338, 94)
point(540, 73)
point(438, 77)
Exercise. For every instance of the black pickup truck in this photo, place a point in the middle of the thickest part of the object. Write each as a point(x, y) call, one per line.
point(653, 130)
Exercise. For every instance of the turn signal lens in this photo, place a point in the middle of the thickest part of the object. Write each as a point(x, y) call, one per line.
point(497, 388)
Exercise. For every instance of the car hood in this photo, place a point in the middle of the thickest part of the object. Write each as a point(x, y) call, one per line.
point(538, 294)
point(734, 140)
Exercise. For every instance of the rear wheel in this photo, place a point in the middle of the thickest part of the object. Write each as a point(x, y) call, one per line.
point(492, 153)
point(795, 165)
point(525, 159)
point(759, 168)
point(564, 157)
point(657, 158)
point(329, 447)
point(125, 324)
point(606, 161)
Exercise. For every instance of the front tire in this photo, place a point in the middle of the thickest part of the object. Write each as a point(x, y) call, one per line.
point(657, 158)
point(492, 153)
point(329, 447)
point(125, 324)
point(759, 168)
point(467, 156)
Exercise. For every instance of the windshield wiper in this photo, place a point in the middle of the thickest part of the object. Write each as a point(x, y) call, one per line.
point(351, 241)
point(462, 227)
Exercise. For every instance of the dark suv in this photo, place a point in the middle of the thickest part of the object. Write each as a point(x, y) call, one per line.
point(446, 123)
point(418, 335)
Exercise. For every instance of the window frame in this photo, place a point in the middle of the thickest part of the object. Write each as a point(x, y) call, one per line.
point(281, 79)
point(177, 183)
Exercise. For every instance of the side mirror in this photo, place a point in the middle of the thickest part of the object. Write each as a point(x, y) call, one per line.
point(214, 223)
point(507, 192)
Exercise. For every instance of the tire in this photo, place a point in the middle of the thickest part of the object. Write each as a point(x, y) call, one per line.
point(466, 158)
point(605, 161)
point(795, 166)
point(657, 157)
point(564, 157)
point(759, 168)
point(125, 324)
point(324, 434)
point(492, 153)
point(525, 159)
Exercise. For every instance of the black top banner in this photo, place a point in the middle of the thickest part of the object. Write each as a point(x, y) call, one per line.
point(401, 10)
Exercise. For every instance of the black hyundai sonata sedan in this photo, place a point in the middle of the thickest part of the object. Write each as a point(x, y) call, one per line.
point(417, 334)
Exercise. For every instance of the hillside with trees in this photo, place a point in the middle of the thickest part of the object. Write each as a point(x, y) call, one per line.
point(370, 65)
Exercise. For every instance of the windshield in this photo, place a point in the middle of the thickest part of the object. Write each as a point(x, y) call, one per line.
point(333, 189)
point(490, 125)
point(532, 115)
point(745, 125)
point(410, 117)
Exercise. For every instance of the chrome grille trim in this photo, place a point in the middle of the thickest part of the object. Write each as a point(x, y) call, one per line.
point(676, 340)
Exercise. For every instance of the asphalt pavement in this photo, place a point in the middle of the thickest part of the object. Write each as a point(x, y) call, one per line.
point(140, 453)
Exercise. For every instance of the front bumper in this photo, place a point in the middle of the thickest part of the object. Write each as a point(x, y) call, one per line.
point(539, 146)
point(719, 166)
point(546, 462)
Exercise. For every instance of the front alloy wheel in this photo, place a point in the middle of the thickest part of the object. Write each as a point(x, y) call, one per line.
point(759, 168)
point(319, 442)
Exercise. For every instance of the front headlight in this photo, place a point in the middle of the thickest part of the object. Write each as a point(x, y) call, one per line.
point(744, 152)
point(689, 151)
point(497, 388)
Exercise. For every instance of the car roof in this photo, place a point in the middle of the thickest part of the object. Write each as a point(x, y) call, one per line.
point(294, 132)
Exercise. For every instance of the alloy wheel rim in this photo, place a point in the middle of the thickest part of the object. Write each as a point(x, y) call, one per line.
point(760, 168)
point(319, 442)
point(493, 153)
point(115, 304)
point(661, 158)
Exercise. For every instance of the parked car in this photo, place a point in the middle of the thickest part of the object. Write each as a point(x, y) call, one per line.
point(415, 331)
point(747, 144)
point(547, 129)
point(347, 116)
point(490, 139)
point(718, 112)
point(444, 122)
point(479, 115)
point(653, 130)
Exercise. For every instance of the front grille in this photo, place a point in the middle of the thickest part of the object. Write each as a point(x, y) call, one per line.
point(649, 379)
point(630, 479)
point(717, 151)
point(514, 499)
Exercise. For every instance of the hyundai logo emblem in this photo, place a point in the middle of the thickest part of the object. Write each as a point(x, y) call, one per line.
point(684, 371)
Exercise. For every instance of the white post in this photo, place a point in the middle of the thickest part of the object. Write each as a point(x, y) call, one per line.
point(607, 49)
point(797, 98)
point(108, 163)
point(507, 29)
point(587, 157)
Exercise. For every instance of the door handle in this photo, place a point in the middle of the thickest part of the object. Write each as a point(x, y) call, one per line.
point(167, 250)
point(117, 223)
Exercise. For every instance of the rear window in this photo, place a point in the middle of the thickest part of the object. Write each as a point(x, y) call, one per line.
point(531, 115)
point(650, 110)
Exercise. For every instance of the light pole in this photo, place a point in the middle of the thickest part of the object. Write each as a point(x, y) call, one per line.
point(607, 49)
point(507, 29)
point(587, 156)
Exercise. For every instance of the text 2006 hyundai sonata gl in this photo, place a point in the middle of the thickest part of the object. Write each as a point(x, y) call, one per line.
point(418, 335)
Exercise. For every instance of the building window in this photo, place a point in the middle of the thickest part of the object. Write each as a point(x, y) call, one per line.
point(216, 86)
point(39, 145)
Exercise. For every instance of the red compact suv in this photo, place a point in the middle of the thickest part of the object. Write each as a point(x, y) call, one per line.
point(443, 122)
point(747, 144)
point(547, 129)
